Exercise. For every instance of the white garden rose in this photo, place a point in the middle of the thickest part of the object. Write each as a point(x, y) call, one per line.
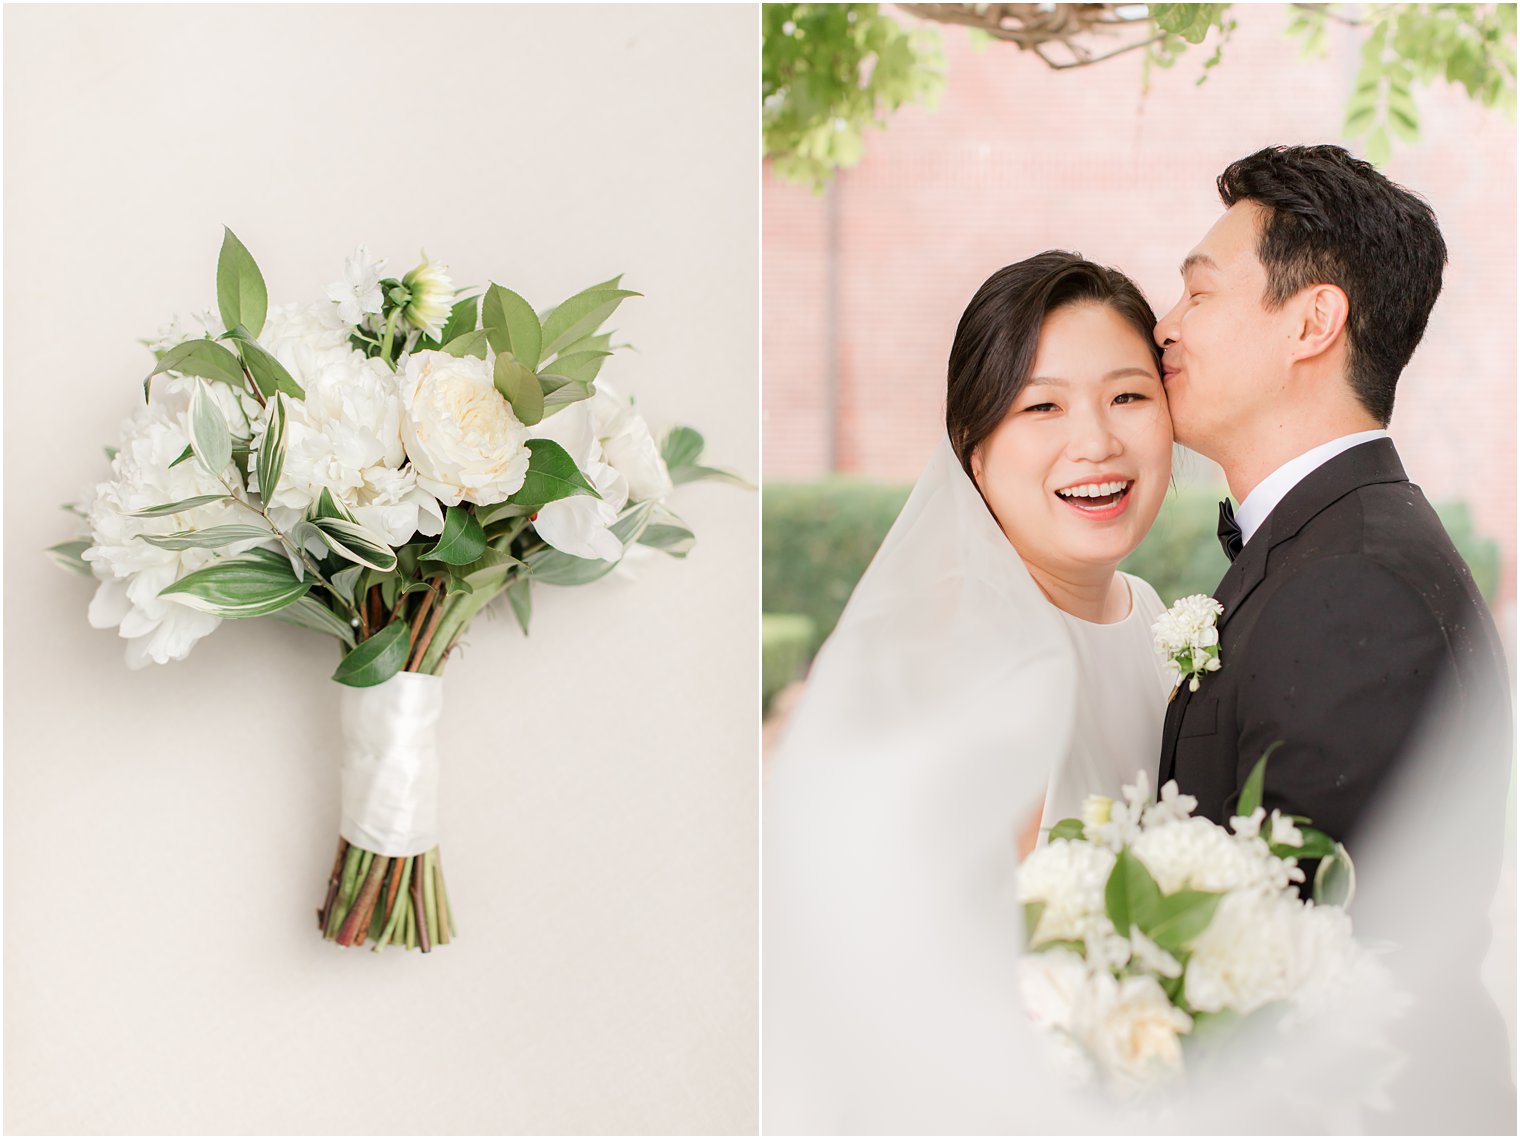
point(464, 441)
point(1132, 1030)
point(132, 572)
point(628, 446)
point(581, 525)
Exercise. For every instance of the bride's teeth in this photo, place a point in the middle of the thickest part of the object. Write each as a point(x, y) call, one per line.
point(1094, 490)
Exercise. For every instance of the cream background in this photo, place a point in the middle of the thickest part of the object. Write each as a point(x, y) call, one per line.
point(168, 832)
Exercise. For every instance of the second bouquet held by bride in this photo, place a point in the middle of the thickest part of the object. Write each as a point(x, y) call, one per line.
point(377, 467)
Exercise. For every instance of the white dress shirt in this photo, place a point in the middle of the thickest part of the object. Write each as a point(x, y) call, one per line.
point(1275, 487)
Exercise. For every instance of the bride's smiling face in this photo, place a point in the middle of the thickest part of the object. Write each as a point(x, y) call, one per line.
point(1077, 469)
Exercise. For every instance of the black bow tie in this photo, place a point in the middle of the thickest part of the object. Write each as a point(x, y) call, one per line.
point(1229, 531)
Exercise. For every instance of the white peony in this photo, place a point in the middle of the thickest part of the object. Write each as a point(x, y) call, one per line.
point(302, 337)
point(345, 437)
point(1069, 877)
point(1248, 956)
point(613, 446)
point(464, 441)
point(131, 571)
point(1195, 854)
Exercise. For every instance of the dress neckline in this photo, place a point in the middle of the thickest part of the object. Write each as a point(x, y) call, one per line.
point(1083, 622)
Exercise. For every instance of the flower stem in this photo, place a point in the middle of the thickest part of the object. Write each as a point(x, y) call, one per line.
point(390, 335)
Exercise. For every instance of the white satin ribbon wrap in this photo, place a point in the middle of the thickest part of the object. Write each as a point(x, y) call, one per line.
point(390, 764)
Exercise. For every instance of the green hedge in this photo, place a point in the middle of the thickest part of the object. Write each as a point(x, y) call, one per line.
point(820, 536)
point(786, 646)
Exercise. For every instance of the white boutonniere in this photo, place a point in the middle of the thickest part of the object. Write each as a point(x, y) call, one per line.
point(1187, 637)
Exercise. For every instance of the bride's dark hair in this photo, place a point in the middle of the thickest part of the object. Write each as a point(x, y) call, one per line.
point(995, 342)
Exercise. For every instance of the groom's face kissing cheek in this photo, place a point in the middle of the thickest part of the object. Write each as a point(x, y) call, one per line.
point(1223, 349)
point(1077, 469)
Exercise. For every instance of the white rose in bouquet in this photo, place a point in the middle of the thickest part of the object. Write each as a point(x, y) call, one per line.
point(465, 442)
point(303, 338)
point(131, 571)
point(1132, 1030)
point(612, 444)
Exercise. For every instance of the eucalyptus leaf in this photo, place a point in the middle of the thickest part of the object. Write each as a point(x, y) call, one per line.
point(377, 659)
point(271, 461)
point(520, 598)
point(175, 507)
point(204, 358)
point(313, 615)
point(240, 292)
point(245, 586)
point(581, 315)
point(1131, 895)
point(552, 475)
point(463, 539)
point(511, 326)
point(69, 555)
point(208, 432)
point(519, 387)
point(211, 538)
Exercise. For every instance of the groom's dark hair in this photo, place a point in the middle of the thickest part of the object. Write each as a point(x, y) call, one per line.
point(1331, 219)
point(999, 333)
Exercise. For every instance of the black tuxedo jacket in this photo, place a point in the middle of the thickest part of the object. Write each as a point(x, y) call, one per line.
point(1345, 616)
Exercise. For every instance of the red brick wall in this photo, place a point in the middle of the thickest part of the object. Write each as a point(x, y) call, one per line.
point(1018, 159)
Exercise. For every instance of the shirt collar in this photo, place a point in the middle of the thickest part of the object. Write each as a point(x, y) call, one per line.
point(1275, 487)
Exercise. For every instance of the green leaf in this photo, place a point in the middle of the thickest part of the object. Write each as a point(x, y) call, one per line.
point(313, 615)
point(271, 461)
point(580, 315)
point(269, 375)
point(554, 567)
point(512, 326)
point(204, 358)
point(1250, 794)
point(560, 393)
point(1181, 917)
point(681, 447)
point(1068, 829)
point(346, 582)
point(208, 432)
point(356, 543)
point(463, 539)
point(1131, 896)
point(240, 292)
point(672, 537)
point(69, 555)
point(245, 586)
point(1316, 844)
point(461, 319)
point(1335, 879)
point(582, 366)
point(519, 387)
point(1033, 911)
point(695, 473)
point(552, 475)
point(329, 507)
point(491, 564)
point(175, 507)
point(520, 597)
point(377, 659)
point(467, 344)
point(211, 538)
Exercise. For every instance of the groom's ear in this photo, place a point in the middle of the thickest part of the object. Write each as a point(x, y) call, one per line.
point(1322, 311)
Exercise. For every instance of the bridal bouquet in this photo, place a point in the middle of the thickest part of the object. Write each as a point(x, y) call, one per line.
point(1150, 930)
point(375, 467)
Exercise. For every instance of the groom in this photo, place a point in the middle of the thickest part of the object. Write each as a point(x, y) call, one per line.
point(1350, 622)
point(1347, 611)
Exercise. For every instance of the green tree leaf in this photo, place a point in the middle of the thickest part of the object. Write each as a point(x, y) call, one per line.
point(520, 598)
point(356, 543)
point(552, 475)
point(580, 366)
point(310, 614)
point(1181, 917)
point(240, 292)
point(377, 659)
point(581, 315)
point(177, 506)
point(681, 446)
point(204, 358)
point(1033, 911)
point(560, 393)
point(668, 533)
point(519, 387)
point(70, 555)
point(1250, 794)
point(250, 585)
point(462, 319)
point(511, 325)
point(463, 539)
point(467, 344)
point(1068, 829)
point(1131, 896)
point(269, 375)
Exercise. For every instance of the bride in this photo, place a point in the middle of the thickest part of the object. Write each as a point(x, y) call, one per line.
point(992, 666)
